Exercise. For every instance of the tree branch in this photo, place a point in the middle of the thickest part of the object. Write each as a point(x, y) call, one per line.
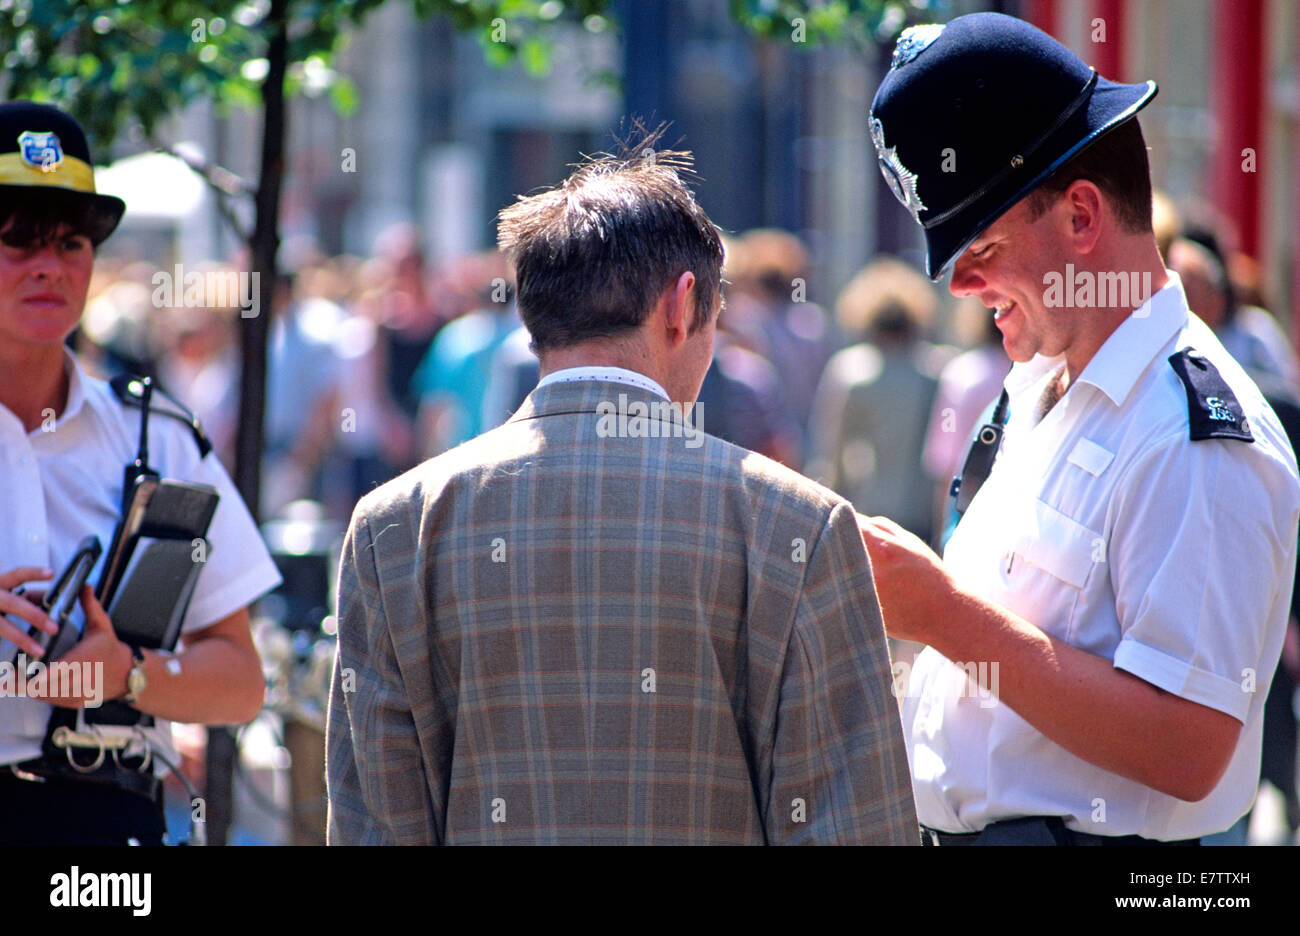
point(225, 185)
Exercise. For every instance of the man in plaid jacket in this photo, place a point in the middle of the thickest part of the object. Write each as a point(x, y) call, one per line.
point(596, 624)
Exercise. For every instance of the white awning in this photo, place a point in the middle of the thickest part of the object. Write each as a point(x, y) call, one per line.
point(153, 185)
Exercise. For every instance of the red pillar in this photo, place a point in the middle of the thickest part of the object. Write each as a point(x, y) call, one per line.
point(1237, 99)
point(1108, 56)
point(1042, 13)
point(1295, 240)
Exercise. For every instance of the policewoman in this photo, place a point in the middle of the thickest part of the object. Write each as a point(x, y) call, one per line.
point(1101, 629)
point(65, 438)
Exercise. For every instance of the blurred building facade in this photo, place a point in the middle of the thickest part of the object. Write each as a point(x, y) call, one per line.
point(779, 130)
point(1225, 128)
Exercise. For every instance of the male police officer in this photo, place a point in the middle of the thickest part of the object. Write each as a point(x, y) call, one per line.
point(64, 440)
point(1122, 578)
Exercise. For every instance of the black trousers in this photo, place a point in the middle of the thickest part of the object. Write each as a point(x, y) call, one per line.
point(62, 812)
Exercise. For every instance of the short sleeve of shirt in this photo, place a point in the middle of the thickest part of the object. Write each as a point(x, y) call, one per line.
point(239, 569)
point(1198, 529)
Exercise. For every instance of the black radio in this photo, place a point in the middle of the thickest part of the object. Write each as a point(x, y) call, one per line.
point(979, 460)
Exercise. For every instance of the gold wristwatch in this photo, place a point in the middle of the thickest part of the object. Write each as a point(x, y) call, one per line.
point(135, 680)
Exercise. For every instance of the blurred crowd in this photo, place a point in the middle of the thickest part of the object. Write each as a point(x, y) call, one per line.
point(378, 363)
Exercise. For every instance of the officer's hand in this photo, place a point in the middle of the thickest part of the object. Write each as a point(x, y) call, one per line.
point(24, 610)
point(98, 644)
point(911, 582)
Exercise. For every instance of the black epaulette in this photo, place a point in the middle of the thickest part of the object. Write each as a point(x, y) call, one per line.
point(1212, 408)
point(128, 390)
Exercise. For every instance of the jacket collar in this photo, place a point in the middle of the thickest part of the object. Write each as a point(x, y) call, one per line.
point(582, 396)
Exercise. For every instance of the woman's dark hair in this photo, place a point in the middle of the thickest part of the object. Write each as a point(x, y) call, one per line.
point(32, 217)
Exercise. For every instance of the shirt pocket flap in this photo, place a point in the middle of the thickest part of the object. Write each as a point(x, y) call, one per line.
point(1060, 546)
point(1091, 457)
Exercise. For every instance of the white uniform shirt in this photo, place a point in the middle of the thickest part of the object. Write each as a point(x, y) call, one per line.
point(1109, 529)
point(59, 486)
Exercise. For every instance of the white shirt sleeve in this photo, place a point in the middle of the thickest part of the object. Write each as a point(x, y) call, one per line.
point(239, 568)
point(1194, 563)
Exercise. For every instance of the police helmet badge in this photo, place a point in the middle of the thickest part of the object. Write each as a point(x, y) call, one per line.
point(901, 181)
point(40, 150)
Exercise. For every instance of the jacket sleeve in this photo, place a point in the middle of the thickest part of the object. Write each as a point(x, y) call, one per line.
point(374, 774)
point(839, 765)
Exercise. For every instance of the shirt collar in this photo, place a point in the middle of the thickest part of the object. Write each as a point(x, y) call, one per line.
point(76, 392)
point(1118, 363)
point(616, 374)
point(76, 385)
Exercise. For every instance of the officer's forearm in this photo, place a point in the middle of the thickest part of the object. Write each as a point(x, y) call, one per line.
point(1103, 715)
point(220, 680)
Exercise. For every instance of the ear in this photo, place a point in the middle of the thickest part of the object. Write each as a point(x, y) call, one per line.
point(1085, 206)
point(678, 302)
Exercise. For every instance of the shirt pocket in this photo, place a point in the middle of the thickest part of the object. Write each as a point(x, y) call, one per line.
point(1059, 545)
point(1049, 564)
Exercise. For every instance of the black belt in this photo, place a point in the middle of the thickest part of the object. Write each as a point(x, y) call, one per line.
point(1038, 830)
point(57, 770)
point(54, 811)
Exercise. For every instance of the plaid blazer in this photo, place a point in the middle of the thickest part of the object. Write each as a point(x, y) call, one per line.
point(556, 633)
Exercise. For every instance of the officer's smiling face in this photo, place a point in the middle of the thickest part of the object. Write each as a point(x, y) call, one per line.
point(1004, 268)
point(42, 286)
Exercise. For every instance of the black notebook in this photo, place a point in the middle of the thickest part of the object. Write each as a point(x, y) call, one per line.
point(152, 568)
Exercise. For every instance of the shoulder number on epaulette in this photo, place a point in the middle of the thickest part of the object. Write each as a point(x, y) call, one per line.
point(1212, 408)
